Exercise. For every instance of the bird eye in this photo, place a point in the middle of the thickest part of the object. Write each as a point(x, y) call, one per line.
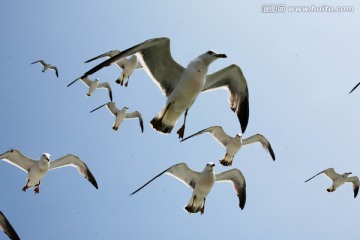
point(210, 52)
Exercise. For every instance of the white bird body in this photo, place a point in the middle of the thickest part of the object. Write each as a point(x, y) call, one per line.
point(178, 84)
point(47, 66)
point(93, 85)
point(202, 183)
point(121, 115)
point(339, 179)
point(233, 144)
point(38, 169)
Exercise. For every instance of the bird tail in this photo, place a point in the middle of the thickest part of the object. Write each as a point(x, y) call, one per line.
point(191, 208)
point(160, 126)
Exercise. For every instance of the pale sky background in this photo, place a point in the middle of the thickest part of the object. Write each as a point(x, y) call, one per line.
point(299, 68)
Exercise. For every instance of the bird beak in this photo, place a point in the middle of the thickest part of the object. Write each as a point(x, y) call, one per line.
point(220, 55)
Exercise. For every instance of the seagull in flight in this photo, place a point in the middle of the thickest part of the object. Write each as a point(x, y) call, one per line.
point(182, 85)
point(128, 65)
point(92, 85)
point(37, 169)
point(202, 182)
point(6, 227)
point(121, 114)
point(233, 144)
point(339, 179)
point(47, 66)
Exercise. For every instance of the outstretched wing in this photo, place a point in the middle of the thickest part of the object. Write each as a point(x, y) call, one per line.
point(216, 131)
point(264, 142)
point(40, 61)
point(16, 158)
point(72, 160)
point(55, 69)
point(233, 79)
point(107, 54)
point(328, 172)
point(155, 57)
point(181, 172)
point(136, 114)
point(355, 182)
point(7, 228)
point(237, 178)
point(85, 80)
point(106, 85)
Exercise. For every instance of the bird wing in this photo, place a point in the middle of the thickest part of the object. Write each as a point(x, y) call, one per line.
point(156, 59)
point(106, 85)
point(355, 182)
point(107, 54)
point(237, 178)
point(55, 69)
point(72, 160)
point(40, 61)
point(264, 142)
point(181, 172)
point(328, 172)
point(136, 114)
point(354, 87)
point(7, 228)
point(233, 79)
point(216, 131)
point(16, 158)
point(85, 80)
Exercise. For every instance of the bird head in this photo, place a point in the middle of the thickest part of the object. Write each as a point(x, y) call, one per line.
point(239, 135)
point(210, 165)
point(46, 156)
point(210, 56)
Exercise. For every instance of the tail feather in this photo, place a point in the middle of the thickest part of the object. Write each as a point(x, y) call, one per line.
point(158, 124)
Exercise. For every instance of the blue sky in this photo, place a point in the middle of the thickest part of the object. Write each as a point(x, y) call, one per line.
point(299, 68)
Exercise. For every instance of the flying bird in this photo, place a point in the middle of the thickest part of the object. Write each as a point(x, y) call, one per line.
point(233, 144)
point(92, 85)
point(354, 87)
point(38, 169)
point(202, 182)
point(128, 65)
point(6, 227)
point(339, 180)
point(121, 114)
point(182, 85)
point(47, 66)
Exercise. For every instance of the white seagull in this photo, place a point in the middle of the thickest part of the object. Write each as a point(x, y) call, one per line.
point(121, 114)
point(339, 180)
point(127, 65)
point(182, 85)
point(202, 182)
point(37, 169)
point(233, 144)
point(92, 85)
point(47, 66)
point(6, 227)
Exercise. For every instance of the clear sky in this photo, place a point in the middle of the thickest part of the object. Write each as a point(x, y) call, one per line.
point(299, 69)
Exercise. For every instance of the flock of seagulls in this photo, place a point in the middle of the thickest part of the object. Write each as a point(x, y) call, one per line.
point(181, 86)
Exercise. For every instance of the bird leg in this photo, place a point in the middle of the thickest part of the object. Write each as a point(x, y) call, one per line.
point(181, 130)
point(37, 189)
point(127, 82)
point(26, 186)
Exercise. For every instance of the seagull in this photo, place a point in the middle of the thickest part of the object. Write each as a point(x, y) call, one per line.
point(354, 87)
point(47, 66)
point(6, 227)
point(182, 85)
point(128, 65)
point(121, 114)
point(233, 144)
point(93, 85)
point(37, 169)
point(202, 182)
point(339, 179)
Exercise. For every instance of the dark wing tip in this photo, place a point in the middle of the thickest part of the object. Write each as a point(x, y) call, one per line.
point(242, 199)
point(356, 190)
point(74, 81)
point(354, 87)
point(91, 179)
point(271, 153)
point(243, 113)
